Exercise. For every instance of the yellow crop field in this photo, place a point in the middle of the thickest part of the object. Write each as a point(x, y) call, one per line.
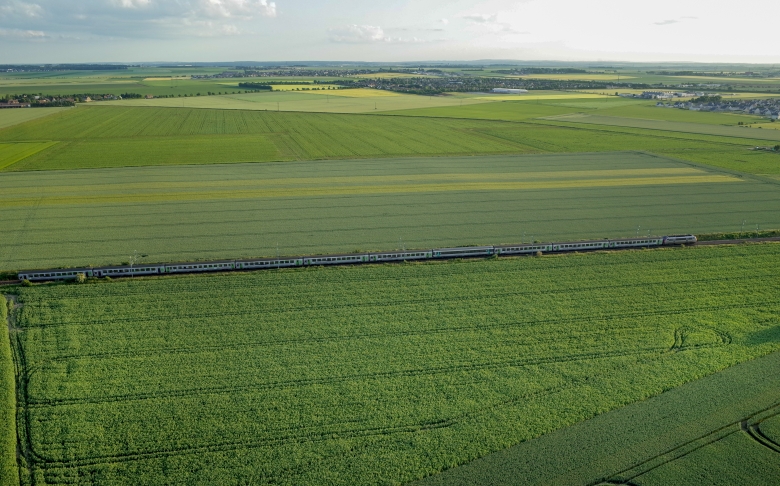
point(360, 93)
point(274, 182)
point(308, 87)
point(343, 186)
point(324, 101)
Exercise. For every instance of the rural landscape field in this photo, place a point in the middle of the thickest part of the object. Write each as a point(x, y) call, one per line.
point(383, 272)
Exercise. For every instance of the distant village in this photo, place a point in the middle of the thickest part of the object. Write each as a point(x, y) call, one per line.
point(768, 107)
point(695, 101)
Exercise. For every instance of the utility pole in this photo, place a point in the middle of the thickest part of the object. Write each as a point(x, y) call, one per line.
point(135, 259)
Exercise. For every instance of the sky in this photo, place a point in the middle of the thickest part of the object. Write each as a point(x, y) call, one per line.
point(64, 31)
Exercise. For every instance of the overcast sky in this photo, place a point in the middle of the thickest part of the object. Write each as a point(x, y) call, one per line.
point(51, 31)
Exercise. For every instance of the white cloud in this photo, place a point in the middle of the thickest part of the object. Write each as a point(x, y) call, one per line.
point(238, 8)
point(666, 22)
point(372, 34)
point(481, 18)
point(444, 21)
point(22, 34)
point(22, 9)
point(358, 34)
point(134, 3)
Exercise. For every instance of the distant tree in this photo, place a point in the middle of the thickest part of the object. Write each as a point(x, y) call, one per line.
point(776, 148)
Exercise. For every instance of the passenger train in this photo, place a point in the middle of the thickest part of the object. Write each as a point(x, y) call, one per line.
point(352, 258)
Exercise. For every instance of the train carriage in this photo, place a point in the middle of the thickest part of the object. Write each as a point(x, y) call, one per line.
point(261, 263)
point(337, 259)
point(127, 271)
point(198, 267)
point(464, 251)
point(636, 242)
point(396, 256)
point(521, 249)
point(49, 275)
point(581, 245)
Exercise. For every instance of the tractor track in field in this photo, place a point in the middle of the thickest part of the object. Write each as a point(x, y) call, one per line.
point(284, 384)
point(749, 425)
point(302, 435)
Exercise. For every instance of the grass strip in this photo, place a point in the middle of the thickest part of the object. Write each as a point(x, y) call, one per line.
point(8, 471)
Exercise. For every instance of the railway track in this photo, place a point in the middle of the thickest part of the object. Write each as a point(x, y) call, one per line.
point(699, 243)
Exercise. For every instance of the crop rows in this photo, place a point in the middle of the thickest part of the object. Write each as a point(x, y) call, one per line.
point(121, 136)
point(368, 374)
point(235, 211)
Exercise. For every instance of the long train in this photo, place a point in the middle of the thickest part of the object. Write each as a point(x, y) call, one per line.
point(351, 258)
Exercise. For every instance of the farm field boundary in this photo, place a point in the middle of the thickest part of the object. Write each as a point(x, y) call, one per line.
point(377, 374)
point(671, 126)
point(624, 445)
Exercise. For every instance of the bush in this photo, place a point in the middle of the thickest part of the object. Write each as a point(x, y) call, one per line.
point(81, 278)
point(26, 283)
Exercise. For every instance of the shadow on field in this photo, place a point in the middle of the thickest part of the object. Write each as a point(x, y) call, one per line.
point(768, 335)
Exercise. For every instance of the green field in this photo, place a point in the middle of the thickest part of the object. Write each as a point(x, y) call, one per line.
point(15, 116)
point(608, 106)
point(100, 136)
point(110, 137)
point(690, 435)
point(11, 153)
point(368, 375)
point(241, 210)
point(725, 131)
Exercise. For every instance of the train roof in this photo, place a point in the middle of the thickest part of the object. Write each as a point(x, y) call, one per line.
point(137, 265)
point(215, 262)
point(465, 248)
point(268, 259)
point(337, 255)
point(52, 270)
